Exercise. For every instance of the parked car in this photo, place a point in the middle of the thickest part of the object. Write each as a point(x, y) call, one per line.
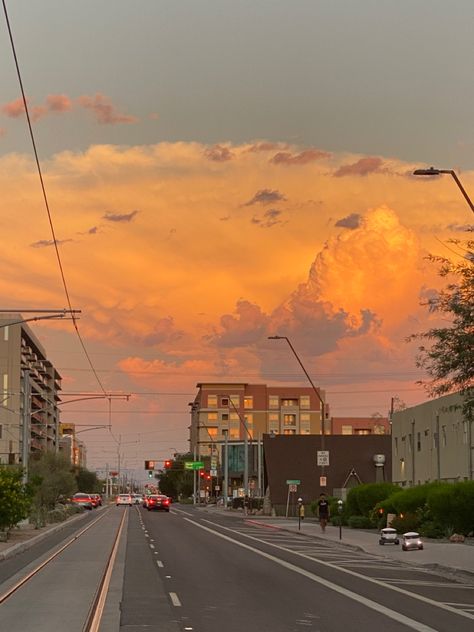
point(411, 540)
point(83, 500)
point(389, 536)
point(156, 502)
point(98, 499)
point(123, 499)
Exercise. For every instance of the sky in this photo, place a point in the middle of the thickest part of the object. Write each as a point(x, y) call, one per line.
point(221, 171)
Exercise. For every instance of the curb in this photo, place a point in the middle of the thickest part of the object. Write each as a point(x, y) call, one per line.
point(16, 549)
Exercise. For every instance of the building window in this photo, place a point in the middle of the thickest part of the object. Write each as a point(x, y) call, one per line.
point(289, 402)
point(248, 419)
point(304, 401)
point(273, 401)
point(346, 430)
point(234, 418)
point(225, 416)
point(248, 401)
point(212, 401)
point(289, 420)
point(362, 431)
point(224, 401)
point(234, 433)
point(212, 417)
point(235, 401)
point(304, 417)
point(289, 431)
point(273, 417)
point(273, 427)
point(5, 333)
point(212, 432)
point(418, 441)
point(444, 438)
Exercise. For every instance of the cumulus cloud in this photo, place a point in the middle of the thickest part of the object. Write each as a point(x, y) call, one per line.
point(54, 103)
point(266, 196)
point(218, 153)
point(247, 326)
point(461, 228)
point(120, 217)
point(104, 111)
point(58, 103)
point(362, 167)
point(266, 146)
point(303, 158)
point(350, 221)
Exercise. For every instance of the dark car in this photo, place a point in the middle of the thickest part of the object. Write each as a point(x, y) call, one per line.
point(158, 503)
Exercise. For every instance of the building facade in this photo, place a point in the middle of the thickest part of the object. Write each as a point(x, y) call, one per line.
point(243, 410)
point(73, 448)
point(360, 425)
point(29, 414)
point(432, 442)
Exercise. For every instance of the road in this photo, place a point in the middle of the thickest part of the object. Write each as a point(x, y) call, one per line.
point(225, 573)
point(194, 570)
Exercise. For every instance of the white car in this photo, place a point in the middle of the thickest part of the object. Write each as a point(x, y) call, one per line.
point(123, 499)
point(389, 536)
point(137, 499)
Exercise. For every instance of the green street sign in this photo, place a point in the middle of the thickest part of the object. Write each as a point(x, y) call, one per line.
point(193, 465)
point(293, 482)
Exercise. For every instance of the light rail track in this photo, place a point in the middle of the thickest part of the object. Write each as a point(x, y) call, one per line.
point(94, 612)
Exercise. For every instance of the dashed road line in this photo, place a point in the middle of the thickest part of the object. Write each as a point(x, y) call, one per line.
point(175, 599)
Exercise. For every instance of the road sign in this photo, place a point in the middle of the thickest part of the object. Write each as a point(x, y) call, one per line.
point(113, 474)
point(323, 457)
point(193, 465)
point(213, 472)
point(213, 463)
point(292, 488)
point(293, 482)
point(322, 481)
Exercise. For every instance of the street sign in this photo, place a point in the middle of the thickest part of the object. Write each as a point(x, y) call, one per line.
point(323, 457)
point(213, 463)
point(217, 488)
point(213, 472)
point(193, 465)
point(292, 488)
point(293, 482)
point(322, 481)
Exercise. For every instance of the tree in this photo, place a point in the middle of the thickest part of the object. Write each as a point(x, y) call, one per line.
point(52, 480)
point(448, 352)
point(176, 481)
point(15, 498)
point(87, 481)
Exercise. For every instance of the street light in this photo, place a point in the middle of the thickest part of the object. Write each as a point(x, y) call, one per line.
point(323, 411)
point(436, 172)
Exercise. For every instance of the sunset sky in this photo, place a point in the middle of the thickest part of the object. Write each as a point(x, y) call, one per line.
point(219, 171)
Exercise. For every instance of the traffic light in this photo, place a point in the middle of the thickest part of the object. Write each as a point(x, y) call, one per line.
point(150, 473)
point(149, 465)
point(168, 464)
point(202, 474)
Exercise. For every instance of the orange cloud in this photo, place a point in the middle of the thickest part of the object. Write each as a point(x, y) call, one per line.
point(303, 158)
point(362, 167)
point(58, 103)
point(104, 111)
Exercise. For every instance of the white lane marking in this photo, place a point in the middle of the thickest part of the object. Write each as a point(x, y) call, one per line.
point(160, 564)
point(349, 572)
point(415, 625)
point(188, 513)
point(152, 546)
point(175, 599)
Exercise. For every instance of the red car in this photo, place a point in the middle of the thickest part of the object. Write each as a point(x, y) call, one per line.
point(158, 503)
point(83, 500)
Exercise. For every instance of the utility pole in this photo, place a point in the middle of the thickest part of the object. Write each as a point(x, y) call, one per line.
point(26, 417)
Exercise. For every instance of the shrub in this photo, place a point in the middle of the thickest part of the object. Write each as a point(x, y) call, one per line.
point(361, 500)
point(360, 522)
point(407, 522)
point(452, 506)
point(15, 498)
point(431, 529)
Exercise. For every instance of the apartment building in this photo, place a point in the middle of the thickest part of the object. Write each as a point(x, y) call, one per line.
point(432, 442)
point(360, 425)
point(73, 448)
point(29, 415)
point(252, 410)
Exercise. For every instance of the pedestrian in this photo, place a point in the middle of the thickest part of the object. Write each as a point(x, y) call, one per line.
point(323, 511)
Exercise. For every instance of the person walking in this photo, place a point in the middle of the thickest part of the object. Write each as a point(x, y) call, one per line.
point(323, 511)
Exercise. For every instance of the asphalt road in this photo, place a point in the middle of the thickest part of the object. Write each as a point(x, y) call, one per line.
point(191, 570)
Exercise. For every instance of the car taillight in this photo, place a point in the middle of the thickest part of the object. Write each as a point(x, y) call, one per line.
point(166, 502)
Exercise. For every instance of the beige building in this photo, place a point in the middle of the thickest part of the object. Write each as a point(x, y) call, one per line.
point(242, 409)
point(73, 448)
point(30, 393)
point(432, 441)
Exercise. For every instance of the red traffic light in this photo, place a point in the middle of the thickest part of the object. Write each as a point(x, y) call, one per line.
point(202, 474)
point(167, 464)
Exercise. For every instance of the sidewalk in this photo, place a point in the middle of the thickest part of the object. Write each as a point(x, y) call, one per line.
point(454, 559)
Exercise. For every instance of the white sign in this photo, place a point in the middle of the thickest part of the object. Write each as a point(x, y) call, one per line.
point(323, 457)
point(217, 488)
point(292, 488)
point(213, 472)
point(322, 481)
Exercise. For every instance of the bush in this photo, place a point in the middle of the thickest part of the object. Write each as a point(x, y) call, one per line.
point(360, 522)
point(361, 500)
point(452, 506)
point(407, 522)
point(432, 529)
point(15, 498)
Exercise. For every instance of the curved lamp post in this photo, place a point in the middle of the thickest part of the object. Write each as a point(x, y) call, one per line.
point(436, 172)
